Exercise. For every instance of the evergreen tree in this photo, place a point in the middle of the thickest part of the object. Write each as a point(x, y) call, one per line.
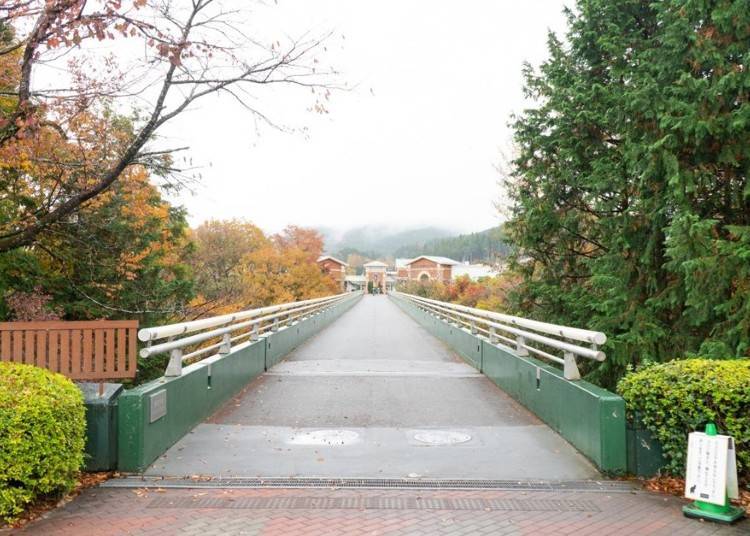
point(632, 202)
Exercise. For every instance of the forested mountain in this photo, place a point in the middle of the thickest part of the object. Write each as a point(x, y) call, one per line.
point(484, 246)
point(375, 241)
point(372, 242)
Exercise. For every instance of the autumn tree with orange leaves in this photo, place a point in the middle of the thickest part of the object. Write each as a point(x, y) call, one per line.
point(220, 246)
point(237, 267)
point(62, 144)
point(123, 257)
point(489, 293)
point(309, 241)
point(84, 229)
point(118, 256)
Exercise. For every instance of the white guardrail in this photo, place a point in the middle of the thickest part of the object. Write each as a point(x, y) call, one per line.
point(524, 336)
point(226, 330)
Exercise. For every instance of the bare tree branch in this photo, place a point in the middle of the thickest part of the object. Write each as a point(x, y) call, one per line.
point(195, 48)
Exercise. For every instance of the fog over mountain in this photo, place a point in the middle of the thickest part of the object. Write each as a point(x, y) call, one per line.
point(378, 241)
point(375, 242)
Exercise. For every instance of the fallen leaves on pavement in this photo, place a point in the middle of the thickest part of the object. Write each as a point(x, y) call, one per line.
point(676, 486)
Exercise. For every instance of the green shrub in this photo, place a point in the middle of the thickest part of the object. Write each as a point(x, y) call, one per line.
point(679, 397)
point(42, 435)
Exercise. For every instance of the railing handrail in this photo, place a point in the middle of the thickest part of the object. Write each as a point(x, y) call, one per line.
point(578, 334)
point(254, 322)
point(523, 329)
point(181, 328)
point(200, 337)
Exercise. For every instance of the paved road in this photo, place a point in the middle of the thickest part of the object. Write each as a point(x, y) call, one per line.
point(374, 395)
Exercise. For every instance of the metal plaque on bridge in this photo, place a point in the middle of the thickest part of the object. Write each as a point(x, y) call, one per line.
point(158, 405)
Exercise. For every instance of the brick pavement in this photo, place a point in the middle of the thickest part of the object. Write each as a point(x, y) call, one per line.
point(330, 512)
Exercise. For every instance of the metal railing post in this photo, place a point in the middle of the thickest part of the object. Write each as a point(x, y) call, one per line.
point(473, 327)
point(275, 326)
point(254, 335)
point(174, 367)
point(493, 335)
point(570, 367)
point(226, 344)
point(521, 345)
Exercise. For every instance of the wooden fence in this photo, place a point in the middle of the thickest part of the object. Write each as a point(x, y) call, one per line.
point(96, 350)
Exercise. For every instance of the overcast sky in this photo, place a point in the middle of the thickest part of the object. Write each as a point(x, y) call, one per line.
point(413, 143)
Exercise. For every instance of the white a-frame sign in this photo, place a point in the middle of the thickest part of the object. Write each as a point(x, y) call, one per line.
point(711, 472)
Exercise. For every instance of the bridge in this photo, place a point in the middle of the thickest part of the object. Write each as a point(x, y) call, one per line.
point(375, 387)
point(366, 398)
point(360, 414)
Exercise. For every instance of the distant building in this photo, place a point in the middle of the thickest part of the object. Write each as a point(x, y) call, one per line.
point(402, 270)
point(355, 282)
point(474, 271)
point(424, 268)
point(427, 268)
point(376, 272)
point(335, 268)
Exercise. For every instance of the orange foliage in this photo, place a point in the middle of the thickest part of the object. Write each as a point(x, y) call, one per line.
point(220, 246)
point(309, 241)
point(276, 275)
point(237, 267)
point(487, 293)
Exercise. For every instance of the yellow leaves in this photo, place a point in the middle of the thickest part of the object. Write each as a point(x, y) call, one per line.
point(48, 162)
point(137, 209)
point(238, 267)
point(308, 241)
point(141, 205)
point(274, 274)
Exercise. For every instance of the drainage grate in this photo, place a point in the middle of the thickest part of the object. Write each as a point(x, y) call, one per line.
point(609, 486)
point(376, 503)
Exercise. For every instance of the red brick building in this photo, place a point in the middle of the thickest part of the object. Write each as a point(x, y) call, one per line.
point(427, 268)
point(333, 267)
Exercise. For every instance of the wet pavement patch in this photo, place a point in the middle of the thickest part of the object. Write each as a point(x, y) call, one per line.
point(441, 437)
point(331, 438)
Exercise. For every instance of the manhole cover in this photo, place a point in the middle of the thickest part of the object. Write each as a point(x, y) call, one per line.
point(325, 437)
point(441, 437)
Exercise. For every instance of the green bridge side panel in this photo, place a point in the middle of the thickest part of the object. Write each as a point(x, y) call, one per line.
point(280, 343)
point(467, 345)
point(190, 399)
point(434, 324)
point(431, 323)
point(232, 372)
point(592, 419)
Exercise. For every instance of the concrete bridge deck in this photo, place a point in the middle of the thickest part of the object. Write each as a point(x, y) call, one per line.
point(374, 395)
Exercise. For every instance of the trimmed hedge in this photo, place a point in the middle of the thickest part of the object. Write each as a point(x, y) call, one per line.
point(42, 435)
point(675, 398)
